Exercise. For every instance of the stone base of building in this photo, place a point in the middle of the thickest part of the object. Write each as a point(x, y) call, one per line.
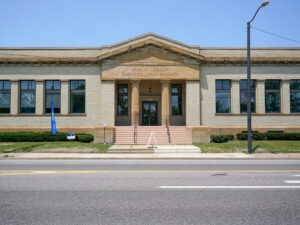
point(196, 133)
point(202, 133)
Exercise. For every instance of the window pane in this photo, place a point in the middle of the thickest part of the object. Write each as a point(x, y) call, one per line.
point(226, 84)
point(5, 102)
point(27, 102)
point(222, 102)
point(123, 105)
point(295, 102)
point(243, 85)
point(243, 102)
point(123, 89)
point(81, 85)
point(176, 99)
point(272, 84)
point(272, 102)
point(74, 84)
point(6, 85)
point(293, 84)
point(55, 98)
point(175, 105)
point(77, 102)
point(24, 85)
point(218, 84)
point(49, 85)
point(31, 85)
point(56, 85)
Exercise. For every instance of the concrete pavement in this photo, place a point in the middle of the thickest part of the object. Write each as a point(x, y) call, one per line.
point(149, 156)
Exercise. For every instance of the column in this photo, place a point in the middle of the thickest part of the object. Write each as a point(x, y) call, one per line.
point(260, 96)
point(65, 99)
point(39, 103)
point(285, 97)
point(235, 96)
point(14, 101)
point(165, 102)
point(135, 102)
point(192, 103)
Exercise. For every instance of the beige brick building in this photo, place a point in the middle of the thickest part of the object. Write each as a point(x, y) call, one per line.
point(149, 81)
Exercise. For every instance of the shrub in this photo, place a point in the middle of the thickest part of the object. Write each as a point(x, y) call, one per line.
point(255, 135)
point(85, 137)
point(31, 137)
point(258, 136)
point(40, 137)
point(221, 138)
point(283, 136)
point(242, 136)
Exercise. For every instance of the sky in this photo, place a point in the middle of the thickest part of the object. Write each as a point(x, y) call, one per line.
point(89, 23)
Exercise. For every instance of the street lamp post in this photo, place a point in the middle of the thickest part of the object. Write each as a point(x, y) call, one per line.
point(249, 79)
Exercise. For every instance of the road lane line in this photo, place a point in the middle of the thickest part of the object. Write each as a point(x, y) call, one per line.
point(297, 175)
point(34, 172)
point(292, 181)
point(229, 187)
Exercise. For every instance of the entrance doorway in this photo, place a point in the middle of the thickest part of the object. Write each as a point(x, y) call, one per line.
point(149, 117)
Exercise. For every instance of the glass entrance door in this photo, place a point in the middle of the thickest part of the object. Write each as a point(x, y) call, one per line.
point(149, 113)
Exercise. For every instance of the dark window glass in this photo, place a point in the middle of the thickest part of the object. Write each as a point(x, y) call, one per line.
point(223, 96)
point(77, 94)
point(176, 99)
point(122, 109)
point(4, 96)
point(244, 94)
point(295, 96)
point(52, 94)
point(27, 96)
point(272, 92)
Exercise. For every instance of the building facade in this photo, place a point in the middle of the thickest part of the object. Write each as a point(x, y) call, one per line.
point(149, 81)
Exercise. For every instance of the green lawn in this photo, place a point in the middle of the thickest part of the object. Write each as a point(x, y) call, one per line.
point(261, 147)
point(52, 147)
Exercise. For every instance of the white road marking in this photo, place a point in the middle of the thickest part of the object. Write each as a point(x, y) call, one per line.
point(297, 175)
point(229, 187)
point(292, 181)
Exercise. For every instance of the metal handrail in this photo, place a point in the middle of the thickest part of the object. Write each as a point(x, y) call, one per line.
point(135, 131)
point(168, 130)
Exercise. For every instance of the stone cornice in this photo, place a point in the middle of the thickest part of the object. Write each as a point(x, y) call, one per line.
point(97, 60)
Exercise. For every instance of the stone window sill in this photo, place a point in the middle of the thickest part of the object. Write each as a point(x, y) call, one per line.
point(257, 114)
point(44, 115)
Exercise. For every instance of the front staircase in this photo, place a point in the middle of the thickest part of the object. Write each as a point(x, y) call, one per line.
point(124, 135)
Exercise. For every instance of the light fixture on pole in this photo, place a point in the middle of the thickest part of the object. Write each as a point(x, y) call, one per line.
point(249, 79)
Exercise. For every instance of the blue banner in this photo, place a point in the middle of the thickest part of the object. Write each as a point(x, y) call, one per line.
point(53, 125)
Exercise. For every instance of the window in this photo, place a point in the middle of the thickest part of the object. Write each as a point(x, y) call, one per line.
point(295, 96)
point(244, 95)
point(272, 89)
point(4, 96)
point(27, 94)
point(122, 100)
point(176, 99)
point(223, 96)
point(52, 94)
point(77, 94)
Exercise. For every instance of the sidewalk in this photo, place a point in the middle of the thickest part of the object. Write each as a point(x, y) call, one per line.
point(134, 156)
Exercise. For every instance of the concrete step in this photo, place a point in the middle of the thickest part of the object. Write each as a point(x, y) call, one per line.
point(160, 149)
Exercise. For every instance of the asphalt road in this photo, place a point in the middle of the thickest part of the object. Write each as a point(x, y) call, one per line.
point(150, 192)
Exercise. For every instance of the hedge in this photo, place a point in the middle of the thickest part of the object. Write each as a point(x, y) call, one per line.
point(269, 136)
point(221, 138)
point(40, 137)
point(85, 137)
point(283, 136)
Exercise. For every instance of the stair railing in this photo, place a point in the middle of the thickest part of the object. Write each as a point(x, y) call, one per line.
point(135, 131)
point(168, 130)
